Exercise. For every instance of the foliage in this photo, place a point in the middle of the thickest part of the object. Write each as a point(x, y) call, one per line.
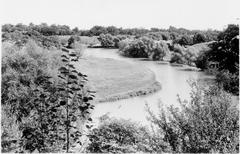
point(117, 39)
point(119, 135)
point(209, 122)
point(106, 40)
point(159, 36)
point(229, 81)
point(97, 30)
point(35, 98)
point(144, 47)
point(226, 50)
point(199, 38)
point(178, 54)
point(184, 40)
point(20, 38)
point(10, 133)
point(73, 99)
point(158, 51)
point(112, 30)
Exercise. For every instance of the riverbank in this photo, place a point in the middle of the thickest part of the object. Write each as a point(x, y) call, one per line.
point(114, 79)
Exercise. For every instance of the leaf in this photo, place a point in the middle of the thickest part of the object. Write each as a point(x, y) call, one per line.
point(54, 110)
point(74, 59)
point(85, 99)
point(70, 92)
point(63, 102)
point(75, 89)
point(61, 89)
point(65, 50)
point(88, 126)
point(72, 76)
point(70, 65)
point(43, 96)
point(72, 54)
point(74, 71)
point(80, 74)
point(61, 77)
point(63, 69)
point(64, 56)
point(71, 82)
point(65, 72)
point(64, 60)
point(80, 143)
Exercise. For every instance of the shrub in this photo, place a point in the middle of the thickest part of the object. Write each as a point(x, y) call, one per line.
point(199, 38)
point(20, 38)
point(158, 51)
point(35, 98)
point(106, 40)
point(184, 40)
point(10, 133)
point(178, 54)
point(121, 136)
point(144, 47)
point(137, 48)
point(229, 81)
point(124, 44)
point(226, 50)
point(209, 122)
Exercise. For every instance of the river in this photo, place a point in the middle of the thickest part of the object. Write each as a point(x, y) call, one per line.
point(174, 81)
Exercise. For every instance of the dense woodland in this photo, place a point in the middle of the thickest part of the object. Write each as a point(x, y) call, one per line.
point(46, 106)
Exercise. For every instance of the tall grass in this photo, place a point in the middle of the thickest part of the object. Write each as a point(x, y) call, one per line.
point(23, 70)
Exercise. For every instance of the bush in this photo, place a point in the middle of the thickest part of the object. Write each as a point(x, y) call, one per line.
point(207, 123)
point(226, 50)
point(106, 40)
point(20, 38)
point(178, 54)
point(122, 45)
point(144, 47)
point(158, 51)
point(229, 81)
point(199, 38)
point(34, 97)
point(121, 136)
point(184, 40)
point(10, 133)
point(137, 48)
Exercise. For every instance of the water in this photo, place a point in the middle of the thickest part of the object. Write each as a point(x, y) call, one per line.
point(174, 81)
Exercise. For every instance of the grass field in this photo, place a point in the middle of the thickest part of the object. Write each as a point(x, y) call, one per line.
point(113, 80)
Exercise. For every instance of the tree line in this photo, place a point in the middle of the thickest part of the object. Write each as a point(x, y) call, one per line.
point(170, 33)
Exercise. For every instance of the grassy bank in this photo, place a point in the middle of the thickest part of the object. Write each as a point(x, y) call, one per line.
point(113, 80)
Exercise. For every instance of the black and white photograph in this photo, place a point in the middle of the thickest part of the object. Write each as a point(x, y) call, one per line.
point(119, 76)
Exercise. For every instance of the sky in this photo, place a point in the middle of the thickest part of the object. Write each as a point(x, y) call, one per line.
point(84, 14)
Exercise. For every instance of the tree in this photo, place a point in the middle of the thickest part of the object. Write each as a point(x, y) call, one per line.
point(7, 28)
point(112, 30)
point(199, 38)
point(75, 30)
point(97, 30)
point(226, 50)
point(158, 51)
point(106, 40)
point(184, 40)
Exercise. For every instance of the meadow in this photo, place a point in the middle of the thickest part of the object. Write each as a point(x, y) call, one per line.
point(113, 80)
